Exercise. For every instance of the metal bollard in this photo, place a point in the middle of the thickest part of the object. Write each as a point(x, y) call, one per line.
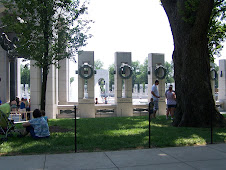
point(149, 126)
point(75, 132)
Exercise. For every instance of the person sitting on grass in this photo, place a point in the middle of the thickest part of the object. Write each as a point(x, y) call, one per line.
point(37, 127)
point(44, 115)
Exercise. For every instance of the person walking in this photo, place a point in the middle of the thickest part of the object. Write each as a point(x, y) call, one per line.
point(155, 96)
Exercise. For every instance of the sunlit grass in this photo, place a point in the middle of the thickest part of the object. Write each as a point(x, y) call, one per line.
point(117, 133)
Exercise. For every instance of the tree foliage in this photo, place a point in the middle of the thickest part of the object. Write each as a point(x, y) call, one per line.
point(217, 28)
point(111, 69)
point(169, 72)
point(98, 64)
point(25, 74)
point(48, 31)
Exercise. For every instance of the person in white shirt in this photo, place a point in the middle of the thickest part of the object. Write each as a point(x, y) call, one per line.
point(171, 102)
point(155, 96)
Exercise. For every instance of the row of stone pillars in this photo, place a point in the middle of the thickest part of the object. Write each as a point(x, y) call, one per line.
point(123, 103)
point(58, 84)
point(9, 77)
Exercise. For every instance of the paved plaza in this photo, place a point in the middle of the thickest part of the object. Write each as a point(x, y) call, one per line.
point(212, 156)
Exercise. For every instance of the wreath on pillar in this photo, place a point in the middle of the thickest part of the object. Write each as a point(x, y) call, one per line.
point(6, 43)
point(213, 73)
point(158, 70)
point(123, 71)
point(86, 71)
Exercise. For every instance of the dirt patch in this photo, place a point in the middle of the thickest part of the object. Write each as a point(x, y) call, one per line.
point(53, 129)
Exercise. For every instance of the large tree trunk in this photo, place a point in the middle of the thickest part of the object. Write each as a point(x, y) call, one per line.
point(195, 103)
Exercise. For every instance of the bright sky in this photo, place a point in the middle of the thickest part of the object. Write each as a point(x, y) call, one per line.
point(140, 27)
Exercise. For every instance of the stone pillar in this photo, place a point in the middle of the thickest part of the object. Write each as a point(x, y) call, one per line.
point(86, 105)
point(63, 81)
point(222, 83)
point(155, 59)
point(4, 76)
point(124, 105)
point(36, 86)
point(18, 78)
point(13, 78)
point(51, 93)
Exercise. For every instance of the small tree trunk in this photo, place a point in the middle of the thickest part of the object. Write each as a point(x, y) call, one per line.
point(44, 85)
point(195, 103)
point(46, 55)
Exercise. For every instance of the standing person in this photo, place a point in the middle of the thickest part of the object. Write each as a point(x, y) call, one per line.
point(22, 108)
point(13, 105)
point(18, 102)
point(167, 109)
point(171, 102)
point(28, 109)
point(0, 102)
point(96, 100)
point(151, 107)
point(155, 96)
point(105, 100)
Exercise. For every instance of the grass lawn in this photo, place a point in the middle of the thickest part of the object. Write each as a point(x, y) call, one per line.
point(105, 134)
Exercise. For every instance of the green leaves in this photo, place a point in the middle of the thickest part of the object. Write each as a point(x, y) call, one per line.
point(217, 29)
point(48, 31)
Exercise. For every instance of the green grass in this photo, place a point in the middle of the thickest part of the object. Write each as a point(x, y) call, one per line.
point(117, 133)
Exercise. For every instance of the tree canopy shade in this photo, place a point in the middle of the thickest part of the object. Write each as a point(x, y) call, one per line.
point(48, 31)
point(189, 21)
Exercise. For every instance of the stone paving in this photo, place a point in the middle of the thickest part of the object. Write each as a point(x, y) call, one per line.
point(206, 157)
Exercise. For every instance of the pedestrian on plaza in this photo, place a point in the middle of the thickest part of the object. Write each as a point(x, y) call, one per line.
point(167, 109)
point(18, 102)
point(0, 102)
point(96, 100)
point(171, 102)
point(151, 107)
point(22, 108)
point(155, 96)
point(105, 100)
point(13, 105)
point(28, 109)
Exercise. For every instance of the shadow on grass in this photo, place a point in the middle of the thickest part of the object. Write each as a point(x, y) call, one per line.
point(117, 133)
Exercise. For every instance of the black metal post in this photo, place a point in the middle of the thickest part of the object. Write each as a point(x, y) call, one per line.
point(75, 132)
point(211, 127)
point(149, 126)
